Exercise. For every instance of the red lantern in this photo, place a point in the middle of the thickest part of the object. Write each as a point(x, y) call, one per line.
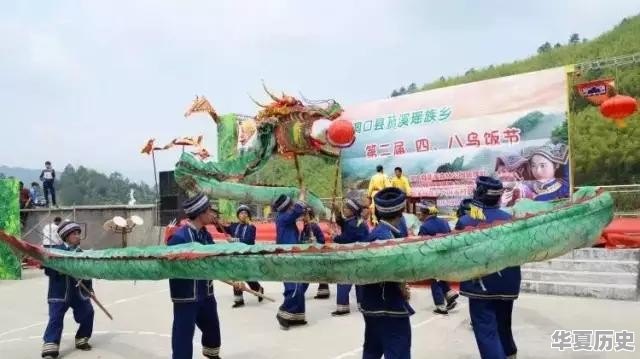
point(618, 108)
point(341, 133)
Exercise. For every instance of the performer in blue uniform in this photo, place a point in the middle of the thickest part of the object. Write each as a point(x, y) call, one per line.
point(384, 305)
point(444, 297)
point(194, 302)
point(352, 229)
point(64, 293)
point(244, 232)
point(464, 207)
point(292, 310)
point(312, 233)
point(491, 297)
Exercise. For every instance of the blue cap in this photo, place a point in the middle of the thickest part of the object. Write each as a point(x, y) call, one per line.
point(196, 205)
point(390, 200)
point(68, 227)
point(281, 203)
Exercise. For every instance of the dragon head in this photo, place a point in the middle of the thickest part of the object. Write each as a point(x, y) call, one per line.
point(301, 126)
point(201, 104)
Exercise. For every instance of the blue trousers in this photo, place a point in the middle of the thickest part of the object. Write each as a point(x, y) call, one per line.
point(390, 336)
point(439, 291)
point(186, 316)
point(343, 296)
point(48, 188)
point(491, 321)
point(293, 306)
point(82, 314)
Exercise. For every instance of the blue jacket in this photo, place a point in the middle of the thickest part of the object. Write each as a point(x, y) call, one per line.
point(434, 225)
point(62, 288)
point(190, 290)
point(384, 298)
point(504, 284)
point(353, 230)
point(246, 233)
point(286, 228)
point(554, 190)
point(403, 228)
point(310, 230)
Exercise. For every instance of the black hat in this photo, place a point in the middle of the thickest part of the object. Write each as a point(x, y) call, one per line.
point(68, 227)
point(197, 204)
point(353, 205)
point(281, 203)
point(244, 208)
point(390, 200)
point(488, 190)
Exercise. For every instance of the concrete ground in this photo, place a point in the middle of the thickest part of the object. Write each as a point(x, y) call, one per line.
point(143, 315)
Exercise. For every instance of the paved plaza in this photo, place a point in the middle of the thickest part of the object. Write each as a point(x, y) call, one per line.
point(143, 314)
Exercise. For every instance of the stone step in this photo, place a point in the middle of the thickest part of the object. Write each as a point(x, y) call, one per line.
point(573, 289)
point(549, 275)
point(602, 254)
point(586, 265)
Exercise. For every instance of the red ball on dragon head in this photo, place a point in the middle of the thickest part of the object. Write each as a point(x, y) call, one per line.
point(341, 133)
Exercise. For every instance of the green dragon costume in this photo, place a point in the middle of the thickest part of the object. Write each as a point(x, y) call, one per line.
point(287, 127)
point(539, 231)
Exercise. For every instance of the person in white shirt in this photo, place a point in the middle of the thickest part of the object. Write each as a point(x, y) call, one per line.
point(50, 235)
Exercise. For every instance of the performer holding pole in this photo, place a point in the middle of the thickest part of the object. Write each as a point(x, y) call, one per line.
point(194, 302)
point(63, 294)
point(245, 232)
point(444, 297)
point(353, 229)
point(292, 310)
point(387, 328)
point(491, 297)
point(312, 233)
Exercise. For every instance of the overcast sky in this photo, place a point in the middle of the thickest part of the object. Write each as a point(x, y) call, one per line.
point(87, 82)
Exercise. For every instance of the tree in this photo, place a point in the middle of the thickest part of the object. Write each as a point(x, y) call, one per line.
point(402, 91)
point(2, 176)
point(557, 45)
point(394, 93)
point(544, 48)
point(574, 39)
point(442, 79)
point(560, 134)
point(83, 186)
point(470, 71)
point(412, 88)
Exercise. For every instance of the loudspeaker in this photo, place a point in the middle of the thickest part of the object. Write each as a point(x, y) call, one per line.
point(171, 198)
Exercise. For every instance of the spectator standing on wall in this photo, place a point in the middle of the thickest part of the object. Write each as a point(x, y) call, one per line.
point(34, 193)
point(48, 177)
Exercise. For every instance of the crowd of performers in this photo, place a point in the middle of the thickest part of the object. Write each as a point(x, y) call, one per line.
point(384, 306)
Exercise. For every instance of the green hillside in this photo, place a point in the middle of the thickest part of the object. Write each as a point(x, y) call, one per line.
point(623, 39)
point(602, 154)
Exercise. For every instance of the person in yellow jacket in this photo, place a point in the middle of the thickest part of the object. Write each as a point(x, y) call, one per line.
point(378, 182)
point(401, 181)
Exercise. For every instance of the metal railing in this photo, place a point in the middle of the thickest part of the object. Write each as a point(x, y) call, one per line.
point(626, 199)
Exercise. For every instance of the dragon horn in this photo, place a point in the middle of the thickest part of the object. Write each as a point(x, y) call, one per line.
point(273, 97)
point(303, 97)
point(256, 102)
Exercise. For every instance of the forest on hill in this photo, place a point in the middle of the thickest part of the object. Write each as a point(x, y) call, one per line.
point(85, 186)
point(602, 153)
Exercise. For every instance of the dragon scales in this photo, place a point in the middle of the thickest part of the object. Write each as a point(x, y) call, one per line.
point(286, 127)
point(539, 231)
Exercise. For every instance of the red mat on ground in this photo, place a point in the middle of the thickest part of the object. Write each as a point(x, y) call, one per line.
point(621, 233)
point(265, 231)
